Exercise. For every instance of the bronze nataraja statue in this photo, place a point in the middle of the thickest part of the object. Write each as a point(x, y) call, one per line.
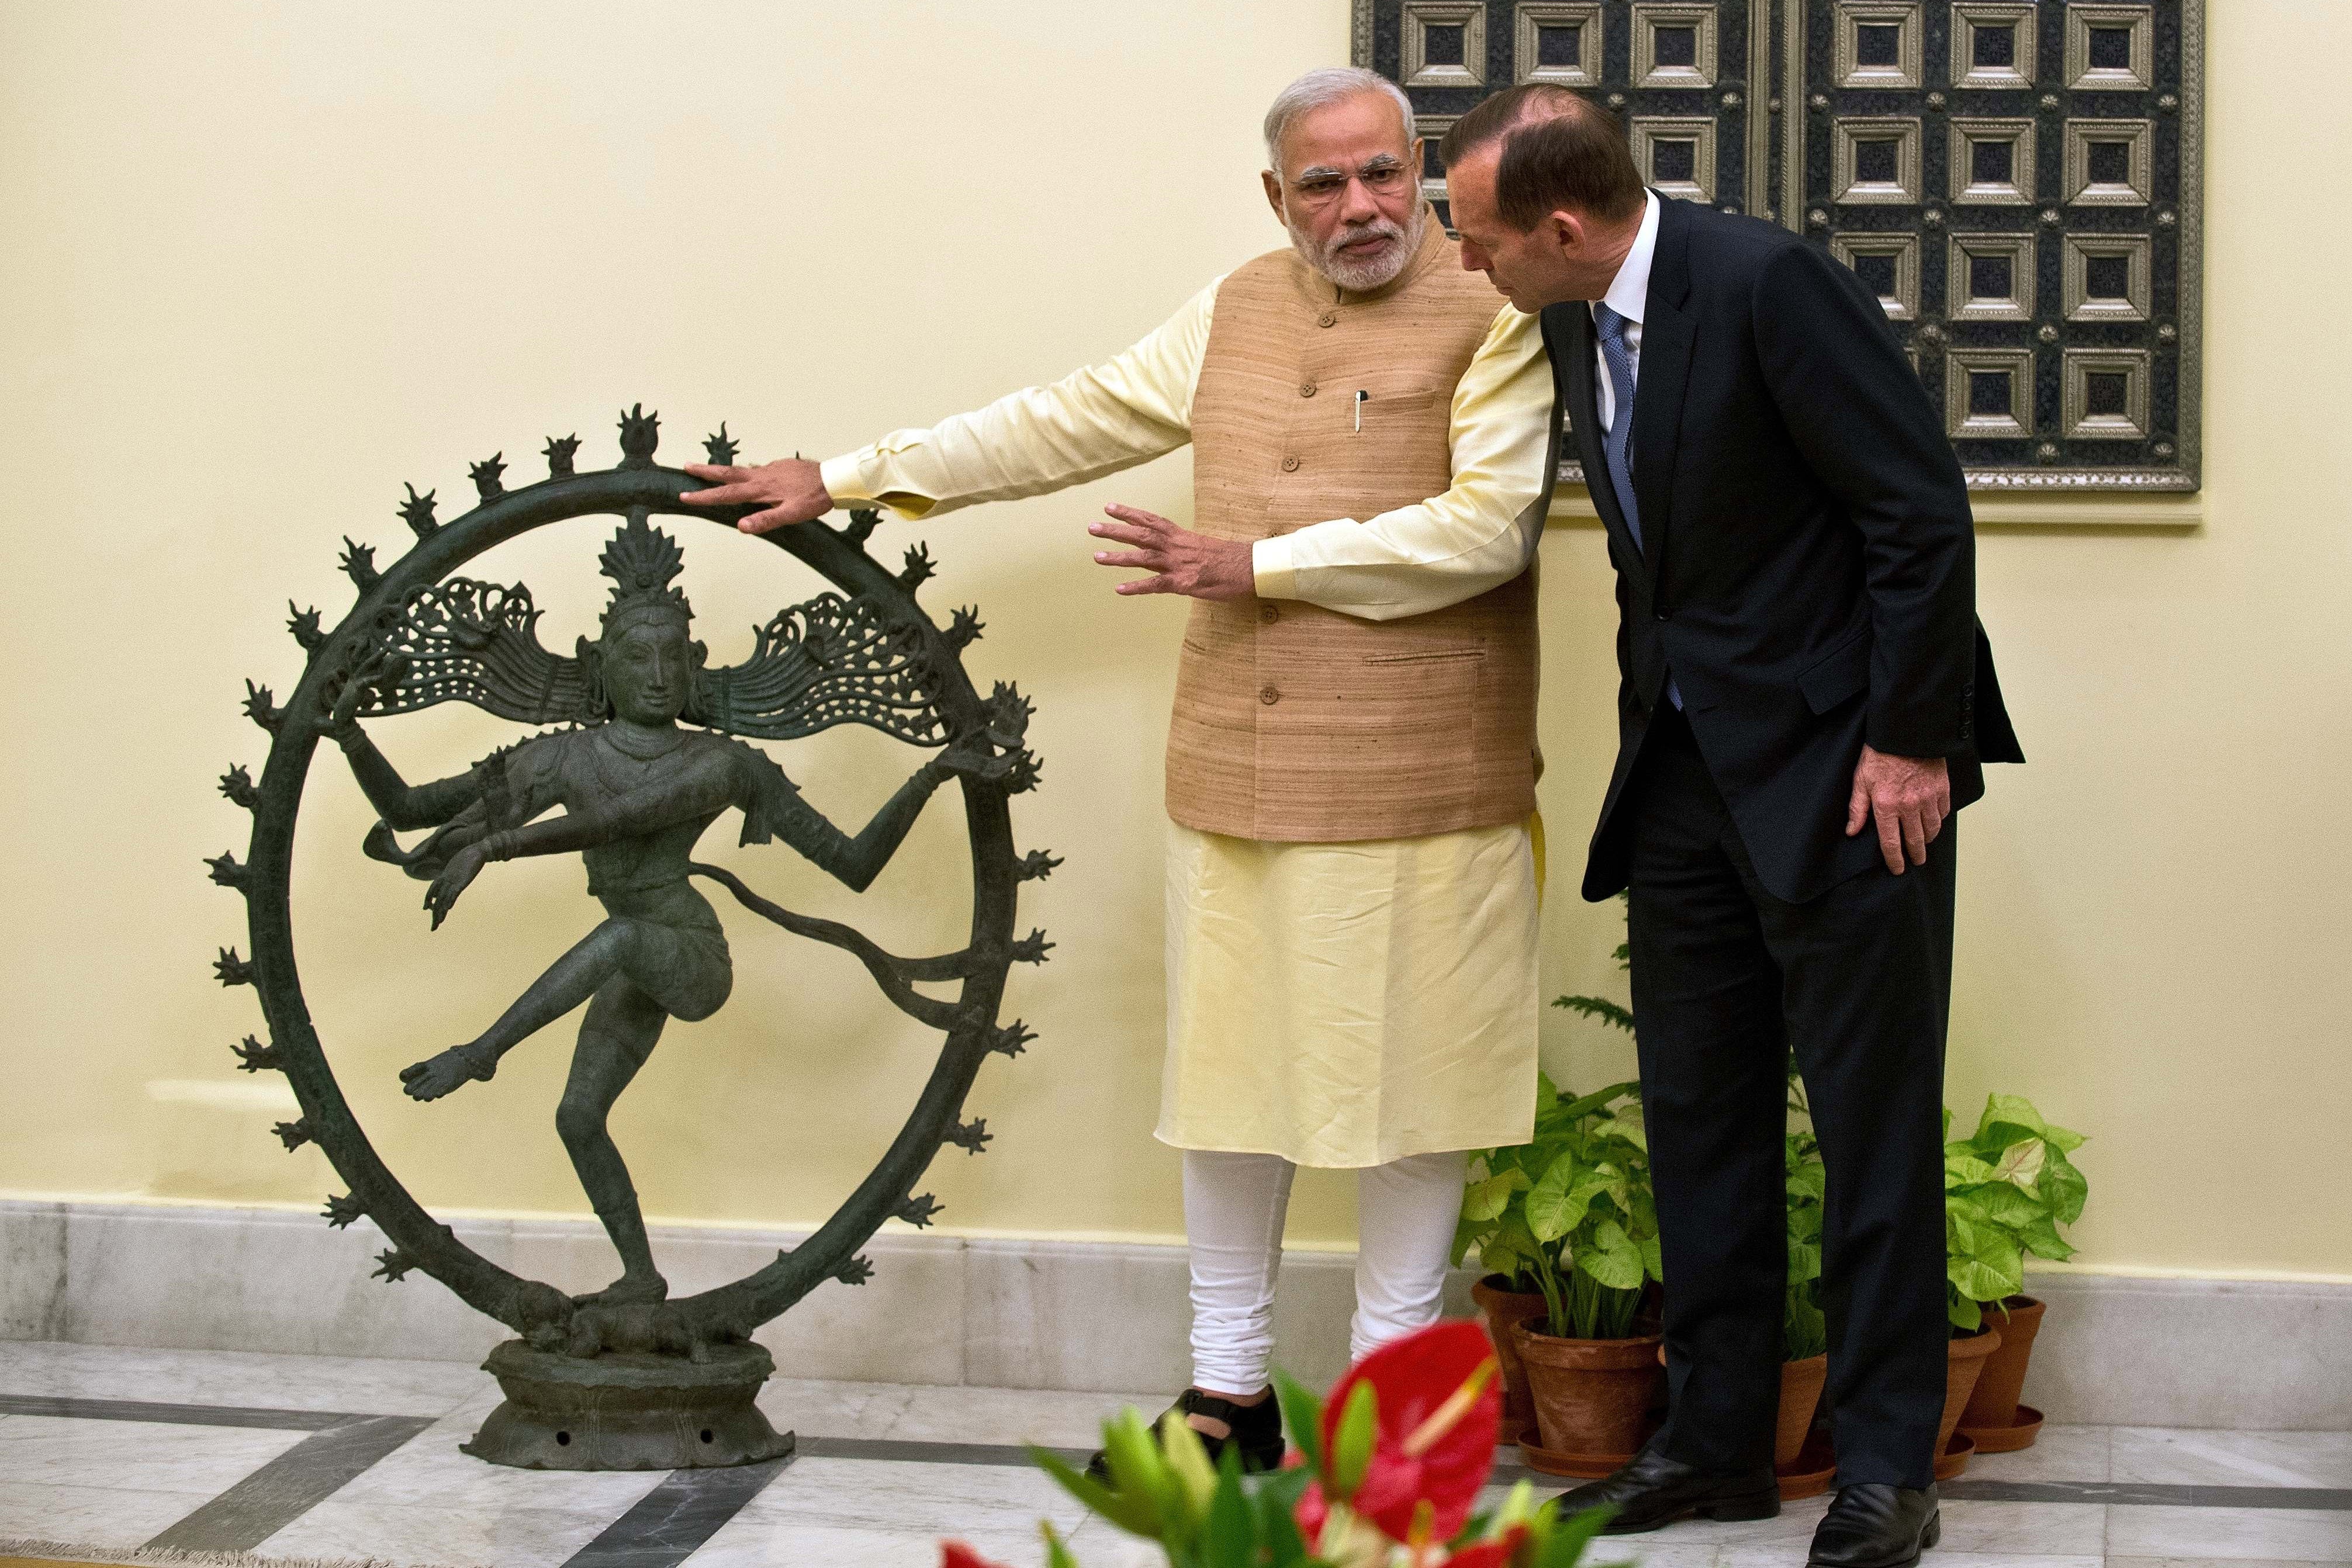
point(636, 790)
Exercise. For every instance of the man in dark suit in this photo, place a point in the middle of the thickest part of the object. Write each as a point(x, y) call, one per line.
point(1806, 699)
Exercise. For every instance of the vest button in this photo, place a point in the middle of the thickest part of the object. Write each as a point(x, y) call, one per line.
point(1290, 464)
point(1269, 695)
point(1327, 320)
point(1267, 614)
point(1306, 389)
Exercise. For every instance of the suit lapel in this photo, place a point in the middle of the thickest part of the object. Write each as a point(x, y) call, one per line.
point(1669, 332)
point(1568, 334)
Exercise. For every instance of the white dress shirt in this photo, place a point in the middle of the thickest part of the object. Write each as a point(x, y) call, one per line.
point(1628, 296)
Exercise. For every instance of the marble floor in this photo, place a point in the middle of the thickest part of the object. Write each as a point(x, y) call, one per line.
point(311, 1457)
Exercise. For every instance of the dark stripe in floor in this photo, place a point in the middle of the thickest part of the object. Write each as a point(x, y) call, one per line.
point(290, 1485)
point(677, 1517)
point(2330, 1500)
point(176, 1414)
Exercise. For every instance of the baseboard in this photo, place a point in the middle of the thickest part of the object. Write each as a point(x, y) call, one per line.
point(1032, 1315)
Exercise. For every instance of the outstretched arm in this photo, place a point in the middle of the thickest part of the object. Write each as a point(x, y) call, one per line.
point(1096, 422)
point(402, 806)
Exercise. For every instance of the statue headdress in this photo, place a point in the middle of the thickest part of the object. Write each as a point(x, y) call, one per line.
point(643, 561)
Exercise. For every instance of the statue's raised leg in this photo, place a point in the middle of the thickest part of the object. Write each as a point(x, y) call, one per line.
point(597, 958)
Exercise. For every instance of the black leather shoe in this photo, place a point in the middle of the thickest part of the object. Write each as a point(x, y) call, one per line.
point(1256, 1428)
point(1656, 1491)
point(1874, 1525)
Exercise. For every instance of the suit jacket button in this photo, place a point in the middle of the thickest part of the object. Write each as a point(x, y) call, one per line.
point(1327, 320)
point(1270, 696)
point(1306, 389)
point(1267, 614)
point(1290, 464)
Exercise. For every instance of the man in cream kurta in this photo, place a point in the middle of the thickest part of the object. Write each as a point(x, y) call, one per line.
point(1351, 870)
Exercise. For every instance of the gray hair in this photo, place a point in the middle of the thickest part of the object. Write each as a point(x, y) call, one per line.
point(1317, 89)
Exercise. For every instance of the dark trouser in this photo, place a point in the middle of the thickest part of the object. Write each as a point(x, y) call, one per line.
point(1725, 979)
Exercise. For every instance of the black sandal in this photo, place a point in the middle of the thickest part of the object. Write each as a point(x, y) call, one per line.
point(1256, 1428)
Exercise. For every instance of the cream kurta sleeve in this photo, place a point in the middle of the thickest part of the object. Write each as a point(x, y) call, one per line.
point(1478, 535)
point(1096, 422)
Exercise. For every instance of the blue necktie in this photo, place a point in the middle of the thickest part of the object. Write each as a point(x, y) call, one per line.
point(1617, 445)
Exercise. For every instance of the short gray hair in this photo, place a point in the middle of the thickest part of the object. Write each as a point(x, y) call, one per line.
point(1317, 89)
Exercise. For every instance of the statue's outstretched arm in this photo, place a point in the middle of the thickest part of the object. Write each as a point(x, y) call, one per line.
point(779, 810)
point(402, 806)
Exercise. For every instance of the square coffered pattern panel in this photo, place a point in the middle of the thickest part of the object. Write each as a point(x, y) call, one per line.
point(1992, 163)
point(1879, 43)
point(1675, 155)
point(2107, 276)
point(1993, 44)
point(1557, 42)
point(1888, 264)
point(1989, 394)
point(1445, 43)
point(2110, 163)
point(1432, 129)
point(2110, 48)
point(1990, 277)
point(2015, 180)
point(1673, 46)
point(2105, 394)
point(1875, 162)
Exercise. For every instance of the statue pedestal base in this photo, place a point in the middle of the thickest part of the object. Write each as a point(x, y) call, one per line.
point(622, 1412)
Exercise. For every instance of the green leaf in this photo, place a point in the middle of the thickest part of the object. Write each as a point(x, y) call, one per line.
point(2021, 1162)
point(1654, 1261)
point(1558, 1202)
point(1140, 1470)
point(1188, 1458)
point(1965, 1314)
point(1231, 1538)
point(1994, 1271)
point(1564, 1540)
point(1576, 1110)
point(1351, 1445)
point(1468, 1233)
point(1131, 1511)
point(1804, 1263)
point(2042, 1239)
point(1613, 1260)
point(2015, 1109)
point(1631, 1122)
point(1600, 1008)
point(1487, 1199)
point(1277, 1523)
point(1302, 1417)
point(2004, 1204)
point(2062, 1188)
point(1809, 1179)
point(1966, 1170)
point(1057, 1555)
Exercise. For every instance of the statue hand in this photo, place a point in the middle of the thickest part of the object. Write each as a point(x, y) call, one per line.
point(974, 758)
point(455, 878)
point(380, 671)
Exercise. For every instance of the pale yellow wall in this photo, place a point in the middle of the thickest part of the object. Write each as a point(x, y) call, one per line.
point(261, 263)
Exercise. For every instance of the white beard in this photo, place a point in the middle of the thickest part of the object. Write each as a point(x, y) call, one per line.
point(1361, 276)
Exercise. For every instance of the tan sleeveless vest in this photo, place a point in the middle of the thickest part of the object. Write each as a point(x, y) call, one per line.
point(1298, 724)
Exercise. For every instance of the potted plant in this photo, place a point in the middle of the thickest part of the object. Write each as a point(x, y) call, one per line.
point(1386, 1473)
point(2007, 1188)
point(1587, 1230)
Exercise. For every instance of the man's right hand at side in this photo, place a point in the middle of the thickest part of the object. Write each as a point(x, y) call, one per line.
point(789, 490)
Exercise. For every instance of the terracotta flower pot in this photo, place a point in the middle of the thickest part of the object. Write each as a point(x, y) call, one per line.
point(1590, 1395)
point(1964, 1364)
point(1800, 1396)
point(1994, 1402)
point(1501, 1307)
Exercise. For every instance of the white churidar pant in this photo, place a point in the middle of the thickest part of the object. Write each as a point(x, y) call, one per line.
point(1234, 1207)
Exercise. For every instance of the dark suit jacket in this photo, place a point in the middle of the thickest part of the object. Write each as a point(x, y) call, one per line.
point(1808, 563)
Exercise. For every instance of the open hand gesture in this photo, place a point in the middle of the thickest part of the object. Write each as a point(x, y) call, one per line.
point(1180, 561)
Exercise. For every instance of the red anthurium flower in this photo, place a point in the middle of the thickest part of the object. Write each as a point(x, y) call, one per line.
point(1440, 1411)
point(956, 1554)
